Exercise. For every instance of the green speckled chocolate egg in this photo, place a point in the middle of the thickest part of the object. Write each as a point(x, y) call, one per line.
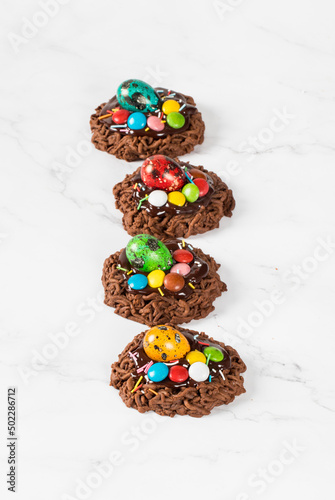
point(135, 95)
point(147, 253)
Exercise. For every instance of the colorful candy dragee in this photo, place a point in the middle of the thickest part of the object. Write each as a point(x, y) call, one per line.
point(166, 354)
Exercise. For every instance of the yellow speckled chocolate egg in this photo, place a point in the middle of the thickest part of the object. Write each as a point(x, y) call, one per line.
point(164, 343)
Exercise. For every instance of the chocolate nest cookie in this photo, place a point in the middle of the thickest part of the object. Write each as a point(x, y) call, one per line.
point(135, 140)
point(186, 292)
point(177, 386)
point(171, 220)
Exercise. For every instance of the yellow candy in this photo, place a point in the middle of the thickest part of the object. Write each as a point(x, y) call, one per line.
point(156, 278)
point(170, 106)
point(164, 343)
point(176, 198)
point(195, 356)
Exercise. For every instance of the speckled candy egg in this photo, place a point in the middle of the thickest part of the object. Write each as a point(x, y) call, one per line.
point(164, 343)
point(161, 172)
point(147, 253)
point(136, 95)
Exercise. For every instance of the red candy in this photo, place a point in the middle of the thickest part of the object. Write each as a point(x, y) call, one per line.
point(121, 116)
point(182, 256)
point(161, 172)
point(202, 185)
point(178, 374)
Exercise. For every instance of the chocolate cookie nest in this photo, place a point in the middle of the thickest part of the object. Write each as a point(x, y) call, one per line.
point(132, 147)
point(168, 401)
point(221, 204)
point(152, 309)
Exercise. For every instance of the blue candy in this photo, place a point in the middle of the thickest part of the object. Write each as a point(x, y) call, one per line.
point(138, 282)
point(137, 121)
point(158, 372)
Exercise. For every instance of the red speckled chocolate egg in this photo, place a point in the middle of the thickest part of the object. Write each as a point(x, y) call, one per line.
point(161, 172)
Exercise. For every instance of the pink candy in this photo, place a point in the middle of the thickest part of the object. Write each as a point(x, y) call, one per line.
point(182, 269)
point(155, 123)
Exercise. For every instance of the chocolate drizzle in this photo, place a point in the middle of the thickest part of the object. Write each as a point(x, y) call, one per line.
point(199, 270)
point(140, 359)
point(189, 208)
point(187, 111)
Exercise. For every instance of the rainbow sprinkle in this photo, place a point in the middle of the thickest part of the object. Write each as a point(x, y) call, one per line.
point(132, 355)
point(187, 176)
point(137, 384)
point(147, 366)
point(141, 201)
point(104, 116)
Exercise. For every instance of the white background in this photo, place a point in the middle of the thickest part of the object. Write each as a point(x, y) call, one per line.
point(244, 64)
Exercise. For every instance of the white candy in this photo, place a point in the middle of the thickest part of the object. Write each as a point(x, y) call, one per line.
point(198, 371)
point(157, 198)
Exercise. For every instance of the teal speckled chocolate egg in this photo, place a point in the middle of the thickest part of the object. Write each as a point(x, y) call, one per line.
point(136, 95)
point(147, 253)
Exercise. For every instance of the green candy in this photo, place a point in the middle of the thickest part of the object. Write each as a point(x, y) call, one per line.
point(213, 354)
point(147, 253)
point(191, 192)
point(175, 119)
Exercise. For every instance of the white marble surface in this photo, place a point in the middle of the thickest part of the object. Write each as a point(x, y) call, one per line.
point(243, 63)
